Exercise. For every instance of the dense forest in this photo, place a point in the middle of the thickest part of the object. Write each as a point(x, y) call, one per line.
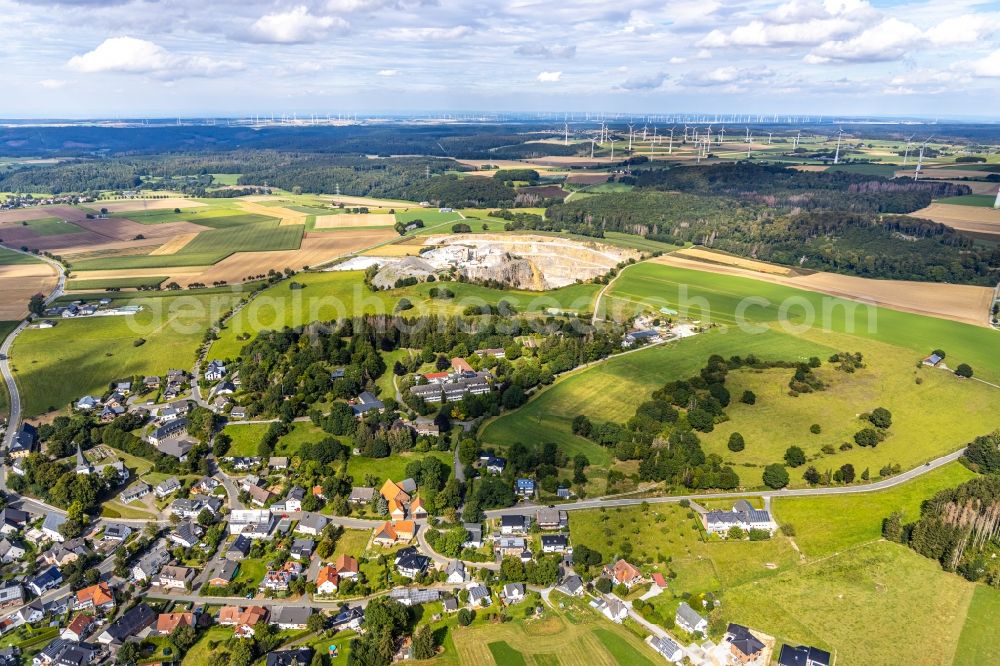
point(855, 242)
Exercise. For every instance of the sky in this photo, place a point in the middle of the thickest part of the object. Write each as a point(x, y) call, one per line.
point(164, 58)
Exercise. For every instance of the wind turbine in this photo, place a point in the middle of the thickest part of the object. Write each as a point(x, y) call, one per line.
point(592, 141)
point(769, 138)
point(798, 136)
point(749, 142)
point(565, 134)
point(836, 155)
point(612, 150)
point(920, 159)
point(630, 137)
point(906, 153)
point(652, 143)
point(670, 151)
point(722, 135)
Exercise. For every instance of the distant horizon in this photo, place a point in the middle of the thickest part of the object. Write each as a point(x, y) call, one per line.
point(141, 58)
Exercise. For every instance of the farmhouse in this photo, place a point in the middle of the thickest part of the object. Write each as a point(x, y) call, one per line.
point(623, 573)
point(743, 515)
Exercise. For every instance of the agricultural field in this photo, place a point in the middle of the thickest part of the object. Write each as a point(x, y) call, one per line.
point(833, 602)
point(55, 366)
point(51, 226)
point(333, 295)
point(714, 297)
point(978, 638)
point(23, 277)
point(980, 200)
point(115, 283)
point(9, 257)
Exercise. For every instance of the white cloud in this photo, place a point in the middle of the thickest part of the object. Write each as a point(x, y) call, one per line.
point(295, 26)
point(129, 55)
point(958, 30)
point(388, 72)
point(549, 77)
point(650, 82)
point(759, 34)
point(889, 40)
point(677, 60)
point(703, 54)
point(987, 67)
point(52, 84)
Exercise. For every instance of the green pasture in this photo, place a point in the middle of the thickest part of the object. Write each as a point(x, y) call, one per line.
point(56, 366)
point(334, 295)
point(9, 257)
point(114, 283)
point(980, 200)
point(717, 298)
point(51, 226)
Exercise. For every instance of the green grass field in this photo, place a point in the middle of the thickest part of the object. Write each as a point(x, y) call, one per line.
point(10, 257)
point(115, 283)
point(877, 604)
point(51, 226)
point(825, 525)
point(393, 467)
point(246, 438)
point(711, 297)
point(505, 654)
point(981, 200)
point(340, 294)
point(919, 433)
point(547, 417)
point(56, 366)
point(977, 642)
point(225, 178)
point(209, 247)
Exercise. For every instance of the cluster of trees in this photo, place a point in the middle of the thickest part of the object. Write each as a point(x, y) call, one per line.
point(959, 527)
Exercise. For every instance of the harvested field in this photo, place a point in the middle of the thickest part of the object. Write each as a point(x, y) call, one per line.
point(146, 204)
point(62, 212)
point(809, 167)
point(288, 217)
point(184, 272)
point(118, 228)
point(941, 173)
point(174, 244)
point(964, 303)
point(740, 262)
point(353, 202)
point(587, 178)
point(394, 250)
point(977, 186)
point(568, 160)
point(964, 218)
point(21, 282)
point(350, 220)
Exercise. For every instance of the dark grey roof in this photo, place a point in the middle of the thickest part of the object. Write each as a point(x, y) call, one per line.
point(688, 614)
point(554, 540)
point(803, 656)
point(741, 638)
point(664, 645)
point(132, 622)
point(296, 657)
point(240, 544)
point(291, 615)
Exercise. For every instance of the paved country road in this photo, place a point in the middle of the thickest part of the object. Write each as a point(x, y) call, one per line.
point(767, 494)
point(15, 397)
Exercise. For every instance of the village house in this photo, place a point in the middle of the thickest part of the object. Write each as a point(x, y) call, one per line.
point(24, 441)
point(510, 547)
point(366, 402)
point(11, 550)
point(293, 657)
point(744, 647)
point(116, 532)
point(132, 623)
point(251, 523)
point(48, 579)
point(689, 620)
point(411, 564)
point(312, 524)
point(361, 495)
point(150, 564)
point(572, 585)
point(551, 519)
point(51, 525)
point(215, 371)
point(96, 597)
point(134, 492)
point(291, 617)
point(166, 487)
point(11, 594)
point(525, 488)
point(803, 655)
point(327, 580)
point(414, 596)
point(348, 618)
point(276, 581)
point(474, 536)
point(346, 566)
point(554, 543)
point(612, 608)
point(167, 623)
point(225, 574)
point(78, 629)
point(479, 595)
point(186, 535)
point(513, 592)
point(455, 572)
point(67, 552)
point(623, 573)
point(666, 646)
point(175, 578)
point(302, 549)
point(515, 524)
point(243, 619)
point(238, 549)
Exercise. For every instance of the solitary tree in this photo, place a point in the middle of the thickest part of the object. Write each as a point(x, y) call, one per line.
point(36, 305)
point(964, 370)
point(795, 456)
point(880, 417)
point(748, 397)
point(811, 476)
point(736, 442)
point(775, 476)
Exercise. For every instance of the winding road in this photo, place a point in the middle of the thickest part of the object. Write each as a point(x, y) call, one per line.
point(768, 495)
point(14, 419)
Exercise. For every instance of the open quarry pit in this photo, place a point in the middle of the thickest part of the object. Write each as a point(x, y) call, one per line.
point(535, 263)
